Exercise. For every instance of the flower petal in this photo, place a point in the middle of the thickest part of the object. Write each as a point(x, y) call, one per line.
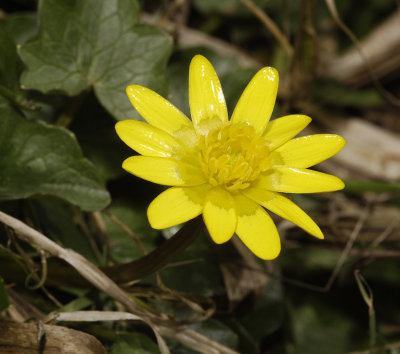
point(176, 205)
point(164, 170)
point(256, 229)
point(219, 215)
point(285, 208)
point(281, 130)
point(146, 139)
point(206, 99)
point(156, 110)
point(307, 151)
point(298, 180)
point(257, 102)
point(187, 137)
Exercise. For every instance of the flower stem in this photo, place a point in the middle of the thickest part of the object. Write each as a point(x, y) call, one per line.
point(123, 273)
point(157, 259)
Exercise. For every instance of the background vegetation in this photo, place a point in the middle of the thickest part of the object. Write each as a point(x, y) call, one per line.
point(64, 66)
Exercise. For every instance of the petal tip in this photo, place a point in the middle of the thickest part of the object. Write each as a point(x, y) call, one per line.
point(268, 254)
point(271, 73)
point(122, 125)
point(341, 185)
point(320, 236)
point(219, 215)
point(217, 239)
point(199, 59)
point(306, 119)
point(318, 233)
point(131, 89)
point(118, 127)
point(342, 141)
point(125, 164)
point(153, 219)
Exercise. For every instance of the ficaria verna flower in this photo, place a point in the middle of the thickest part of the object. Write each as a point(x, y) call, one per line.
point(227, 170)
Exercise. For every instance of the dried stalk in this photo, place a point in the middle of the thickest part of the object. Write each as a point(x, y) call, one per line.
point(95, 276)
point(335, 15)
point(271, 26)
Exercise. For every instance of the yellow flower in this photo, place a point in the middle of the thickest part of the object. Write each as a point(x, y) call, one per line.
point(227, 170)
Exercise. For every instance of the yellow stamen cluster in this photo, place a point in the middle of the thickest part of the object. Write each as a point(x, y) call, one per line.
point(233, 156)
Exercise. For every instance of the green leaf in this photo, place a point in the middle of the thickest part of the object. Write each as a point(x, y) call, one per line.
point(212, 329)
point(95, 43)
point(332, 92)
point(20, 26)
point(4, 301)
point(15, 29)
point(123, 247)
point(10, 68)
point(268, 314)
point(134, 343)
point(198, 261)
point(58, 221)
point(217, 331)
point(36, 158)
point(77, 304)
point(95, 130)
point(361, 186)
point(319, 328)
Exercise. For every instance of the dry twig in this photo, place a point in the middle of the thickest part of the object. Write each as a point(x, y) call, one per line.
point(335, 15)
point(270, 25)
point(96, 277)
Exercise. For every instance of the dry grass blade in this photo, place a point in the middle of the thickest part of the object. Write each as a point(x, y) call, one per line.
point(347, 249)
point(190, 301)
point(100, 280)
point(189, 37)
point(332, 9)
point(371, 150)
point(84, 267)
point(90, 316)
point(368, 297)
point(381, 46)
point(270, 25)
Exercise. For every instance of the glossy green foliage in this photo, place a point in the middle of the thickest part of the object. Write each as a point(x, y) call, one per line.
point(63, 73)
point(10, 68)
point(99, 44)
point(36, 158)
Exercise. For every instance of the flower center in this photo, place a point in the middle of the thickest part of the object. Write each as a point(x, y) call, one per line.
point(233, 156)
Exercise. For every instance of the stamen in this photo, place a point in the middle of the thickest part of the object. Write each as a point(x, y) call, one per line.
point(233, 156)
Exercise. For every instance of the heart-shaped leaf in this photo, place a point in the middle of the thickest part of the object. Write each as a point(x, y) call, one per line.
point(36, 158)
point(95, 43)
point(10, 69)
